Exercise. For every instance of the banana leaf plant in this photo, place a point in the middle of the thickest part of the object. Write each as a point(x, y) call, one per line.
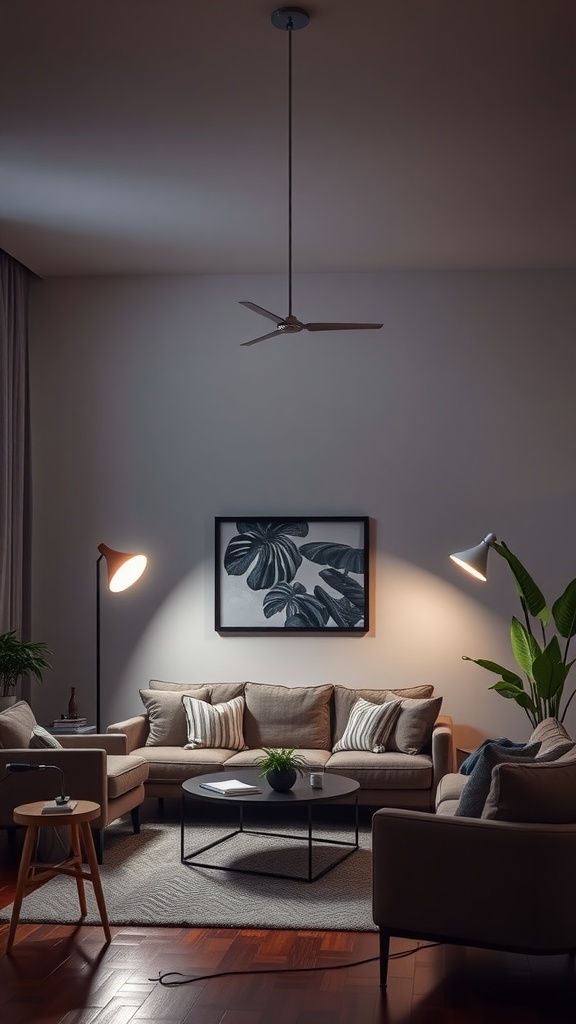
point(541, 657)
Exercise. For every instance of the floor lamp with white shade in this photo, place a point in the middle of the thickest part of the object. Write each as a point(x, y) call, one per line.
point(123, 570)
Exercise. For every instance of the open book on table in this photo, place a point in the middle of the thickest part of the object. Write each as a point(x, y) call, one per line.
point(233, 787)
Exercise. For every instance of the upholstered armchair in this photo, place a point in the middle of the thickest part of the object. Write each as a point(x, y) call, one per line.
point(474, 882)
point(95, 767)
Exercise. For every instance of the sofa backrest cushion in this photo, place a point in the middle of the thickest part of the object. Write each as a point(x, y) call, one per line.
point(218, 692)
point(287, 716)
point(166, 718)
point(217, 726)
point(16, 725)
point(533, 792)
point(345, 697)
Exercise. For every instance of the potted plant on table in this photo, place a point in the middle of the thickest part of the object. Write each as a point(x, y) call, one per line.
point(19, 658)
point(281, 767)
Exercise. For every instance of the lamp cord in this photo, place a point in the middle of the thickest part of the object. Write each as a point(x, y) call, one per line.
point(179, 978)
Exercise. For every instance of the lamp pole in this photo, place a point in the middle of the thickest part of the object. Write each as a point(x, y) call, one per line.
point(98, 560)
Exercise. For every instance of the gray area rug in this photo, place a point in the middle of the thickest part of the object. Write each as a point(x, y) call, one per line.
point(145, 883)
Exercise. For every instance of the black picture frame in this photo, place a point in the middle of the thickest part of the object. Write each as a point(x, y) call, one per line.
point(292, 574)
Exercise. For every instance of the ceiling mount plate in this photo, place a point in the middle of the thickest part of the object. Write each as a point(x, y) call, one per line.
point(289, 18)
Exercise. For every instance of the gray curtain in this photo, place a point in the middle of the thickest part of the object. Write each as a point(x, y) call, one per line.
point(15, 467)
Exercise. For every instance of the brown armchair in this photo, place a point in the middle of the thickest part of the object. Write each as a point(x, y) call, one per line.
point(474, 882)
point(96, 767)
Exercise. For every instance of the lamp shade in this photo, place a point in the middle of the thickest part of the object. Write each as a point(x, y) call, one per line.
point(123, 569)
point(475, 560)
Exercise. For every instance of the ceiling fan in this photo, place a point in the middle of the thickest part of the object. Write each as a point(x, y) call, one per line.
point(289, 19)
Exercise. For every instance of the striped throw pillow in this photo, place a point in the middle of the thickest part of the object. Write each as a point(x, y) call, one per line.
point(369, 726)
point(214, 725)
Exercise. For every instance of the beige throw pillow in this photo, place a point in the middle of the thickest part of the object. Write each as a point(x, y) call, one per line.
point(414, 725)
point(214, 725)
point(42, 739)
point(166, 718)
point(16, 725)
point(369, 726)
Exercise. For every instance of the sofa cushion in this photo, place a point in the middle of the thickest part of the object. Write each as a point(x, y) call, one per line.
point(390, 770)
point(314, 759)
point(173, 765)
point(473, 798)
point(414, 725)
point(282, 716)
point(16, 725)
point(218, 692)
point(345, 697)
point(41, 739)
point(125, 772)
point(214, 725)
point(533, 792)
point(369, 726)
point(166, 718)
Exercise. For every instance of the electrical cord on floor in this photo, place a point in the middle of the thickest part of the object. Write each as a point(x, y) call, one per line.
point(187, 979)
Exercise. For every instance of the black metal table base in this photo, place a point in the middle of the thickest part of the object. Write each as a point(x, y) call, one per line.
point(310, 839)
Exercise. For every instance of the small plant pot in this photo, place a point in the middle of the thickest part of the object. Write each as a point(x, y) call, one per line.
point(283, 781)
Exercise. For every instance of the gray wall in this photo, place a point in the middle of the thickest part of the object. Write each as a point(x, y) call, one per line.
point(150, 420)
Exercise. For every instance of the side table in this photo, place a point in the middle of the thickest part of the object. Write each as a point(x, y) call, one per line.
point(80, 837)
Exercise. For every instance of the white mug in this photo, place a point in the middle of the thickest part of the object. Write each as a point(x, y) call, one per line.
point(316, 780)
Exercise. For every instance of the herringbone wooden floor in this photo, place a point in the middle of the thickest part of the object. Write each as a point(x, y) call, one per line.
point(65, 975)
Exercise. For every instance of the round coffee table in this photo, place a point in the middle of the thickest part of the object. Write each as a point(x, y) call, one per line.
point(335, 787)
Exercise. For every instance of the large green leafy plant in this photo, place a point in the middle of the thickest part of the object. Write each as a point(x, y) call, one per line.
point(20, 658)
point(543, 659)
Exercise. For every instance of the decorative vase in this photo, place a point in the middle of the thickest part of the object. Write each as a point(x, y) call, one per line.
point(7, 702)
point(281, 781)
point(73, 704)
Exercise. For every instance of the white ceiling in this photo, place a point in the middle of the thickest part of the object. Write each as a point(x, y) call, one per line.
point(149, 136)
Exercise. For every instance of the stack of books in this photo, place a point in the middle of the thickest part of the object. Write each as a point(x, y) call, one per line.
point(71, 725)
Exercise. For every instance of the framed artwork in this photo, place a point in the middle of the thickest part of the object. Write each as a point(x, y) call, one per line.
point(292, 574)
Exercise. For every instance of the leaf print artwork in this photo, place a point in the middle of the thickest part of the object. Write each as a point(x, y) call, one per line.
point(267, 579)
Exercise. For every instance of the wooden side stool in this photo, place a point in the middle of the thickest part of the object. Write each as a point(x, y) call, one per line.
point(29, 873)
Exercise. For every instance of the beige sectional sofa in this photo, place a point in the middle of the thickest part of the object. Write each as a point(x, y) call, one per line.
point(418, 751)
point(503, 878)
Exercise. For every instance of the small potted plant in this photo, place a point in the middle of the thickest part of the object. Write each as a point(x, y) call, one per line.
point(281, 766)
point(19, 658)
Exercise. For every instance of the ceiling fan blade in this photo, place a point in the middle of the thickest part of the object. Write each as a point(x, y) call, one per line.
point(341, 327)
point(263, 312)
point(273, 334)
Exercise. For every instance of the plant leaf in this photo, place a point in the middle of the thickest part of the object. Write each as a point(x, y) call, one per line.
point(549, 671)
point(524, 646)
point(564, 611)
point(298, 604)
point(343, 612)
point(514, 693)
point(345, 585)
point(533, 596)
point(493, 666)
point(266, 543)
point(337, 556)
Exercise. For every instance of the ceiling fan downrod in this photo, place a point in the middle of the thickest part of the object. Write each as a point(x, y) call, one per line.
point(289, 19)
